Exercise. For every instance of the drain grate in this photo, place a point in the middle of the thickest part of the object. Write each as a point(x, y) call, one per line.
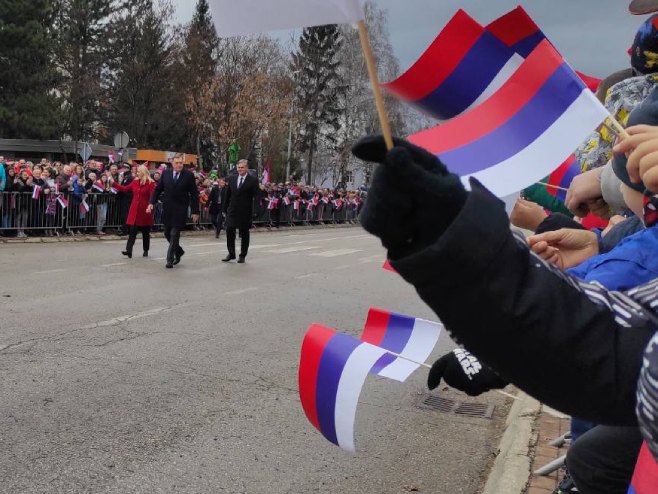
point(478, 410)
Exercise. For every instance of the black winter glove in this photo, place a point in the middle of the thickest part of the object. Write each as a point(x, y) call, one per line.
point(463, 371)
point(413, 197)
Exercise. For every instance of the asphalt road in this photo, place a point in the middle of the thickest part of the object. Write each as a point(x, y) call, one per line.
point(121, 376)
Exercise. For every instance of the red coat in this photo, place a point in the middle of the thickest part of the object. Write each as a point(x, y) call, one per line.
point(141, 199)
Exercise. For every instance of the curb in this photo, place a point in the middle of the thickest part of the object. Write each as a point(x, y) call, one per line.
point(512, 467)
point(190, 233)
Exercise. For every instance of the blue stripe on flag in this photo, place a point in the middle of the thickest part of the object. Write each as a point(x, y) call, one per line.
point(526, 45)
point(469, 79)
point(332, 363)
point(385, 360)
point(531, 121)
point(398, 332)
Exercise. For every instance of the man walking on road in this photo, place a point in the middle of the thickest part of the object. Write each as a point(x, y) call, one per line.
point(239, 203)
point(180, 193)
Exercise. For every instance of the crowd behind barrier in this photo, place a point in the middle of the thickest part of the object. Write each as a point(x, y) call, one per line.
point(52, 199)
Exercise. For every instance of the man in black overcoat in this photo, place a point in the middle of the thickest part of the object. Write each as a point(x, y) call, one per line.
point(239, 204)
point(179, 191)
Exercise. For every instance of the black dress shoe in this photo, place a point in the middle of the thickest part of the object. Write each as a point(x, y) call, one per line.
point(178, 256)
point(126, 253)
point(228, 258)
point(241, 260)
point(145, 254)
point(169, 265)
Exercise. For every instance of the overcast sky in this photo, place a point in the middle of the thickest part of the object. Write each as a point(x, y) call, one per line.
point(593, 35)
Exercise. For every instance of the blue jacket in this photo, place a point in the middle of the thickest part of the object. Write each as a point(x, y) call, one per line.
point(633, 262)
point(3, 177)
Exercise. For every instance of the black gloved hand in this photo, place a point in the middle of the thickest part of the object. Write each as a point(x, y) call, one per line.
point(463, 371)
point(413, 197)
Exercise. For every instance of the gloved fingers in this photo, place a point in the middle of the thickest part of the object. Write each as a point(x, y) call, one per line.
point(438, 370)
point(415, 178)
point(373, 148)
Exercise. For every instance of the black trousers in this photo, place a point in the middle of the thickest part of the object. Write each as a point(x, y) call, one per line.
point(172, 234)
point(132, 236)
point(602, 460)
point(244, 241)
point(217, 220)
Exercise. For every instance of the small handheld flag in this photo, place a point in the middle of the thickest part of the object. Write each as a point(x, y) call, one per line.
point(332, 370)
point(84, 206)
point(36, 191)
point(62, 201)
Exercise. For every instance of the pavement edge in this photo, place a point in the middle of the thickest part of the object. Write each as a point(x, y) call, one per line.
point(512, 467)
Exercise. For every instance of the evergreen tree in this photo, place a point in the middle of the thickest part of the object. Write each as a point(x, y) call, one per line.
point(318, 88)
point(199, 63)
point(83, 29)
point(29, 106)
point(144, 100)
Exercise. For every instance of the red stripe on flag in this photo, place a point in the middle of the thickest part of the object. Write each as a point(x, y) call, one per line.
point(556, 177)
point(499, 108)
point(450, 46)
point(645, 478)
point(316, 339)
point(376, 326)
point(513, 27)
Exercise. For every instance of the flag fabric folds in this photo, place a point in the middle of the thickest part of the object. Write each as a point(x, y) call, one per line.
point(36, 191)
point(462, 66)
point(238, 18)
point(411, 338)
point(265, 177)
point(333, 368)
point(467, 63)
point(62, 201)
point(562, 177)
point(524, 130)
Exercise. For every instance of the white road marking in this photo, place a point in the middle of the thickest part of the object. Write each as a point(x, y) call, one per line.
point(206, 245)
point(288, 250)
point(305, 276)
point(264, 246)
point(336, 253)
point(113, 264)
point(204, 253)
point(50, 271)
point(147, 313)
point(240, 292)
point(375, 258)
point(340, 268)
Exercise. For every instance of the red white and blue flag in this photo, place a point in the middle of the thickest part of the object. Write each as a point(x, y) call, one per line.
point(466, 63)
point(84, 206)
point(36, 192)
point(286, 200)
point(113, 190)
point(98, 186)
point(520, 33)
point(265, 178)
point(332, 370)
point(522, 132)
point(272, 202)
point(62, 201)
point(111, 157)
point(410, 339)
point(645, 478)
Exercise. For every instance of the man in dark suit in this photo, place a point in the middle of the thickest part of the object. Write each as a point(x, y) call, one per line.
point(238, 206)
point(180, 193)
point(216, 200)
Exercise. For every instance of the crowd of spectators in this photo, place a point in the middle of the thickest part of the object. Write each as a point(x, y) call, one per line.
point(52, 198)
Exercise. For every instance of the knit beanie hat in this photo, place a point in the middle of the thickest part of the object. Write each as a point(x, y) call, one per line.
point(644, 52)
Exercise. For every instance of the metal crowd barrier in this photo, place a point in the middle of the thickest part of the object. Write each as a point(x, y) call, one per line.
point(56, 214)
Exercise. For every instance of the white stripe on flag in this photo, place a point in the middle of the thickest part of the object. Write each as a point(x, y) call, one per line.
point(501, 78)
point(548, 151)
point(240, 17)
point(352, 379)
point(424, 337)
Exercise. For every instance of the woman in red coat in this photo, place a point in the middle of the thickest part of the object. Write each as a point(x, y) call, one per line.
point(138, 219)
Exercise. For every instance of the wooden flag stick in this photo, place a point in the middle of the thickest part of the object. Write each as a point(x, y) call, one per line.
point(619, 128)
point(374, 81)
point(552, 186)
